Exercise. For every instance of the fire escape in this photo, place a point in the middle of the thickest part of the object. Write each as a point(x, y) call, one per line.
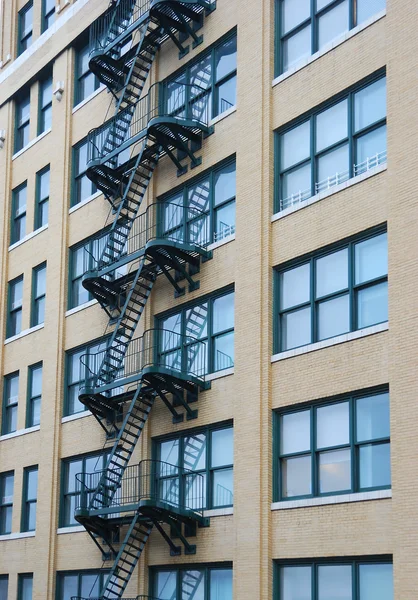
point(120, 505)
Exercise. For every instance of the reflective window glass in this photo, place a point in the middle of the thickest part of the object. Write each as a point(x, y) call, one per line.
point(332, 125)
point(296, 583)
point(295, 145)
point(295, 432)
point(333, 425)
point(333, 23)
point(370, 104)
point(295, 286)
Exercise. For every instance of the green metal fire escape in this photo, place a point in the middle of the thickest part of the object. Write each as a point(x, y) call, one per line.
point(122, 504)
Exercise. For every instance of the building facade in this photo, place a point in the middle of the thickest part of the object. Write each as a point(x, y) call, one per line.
point(204, 238)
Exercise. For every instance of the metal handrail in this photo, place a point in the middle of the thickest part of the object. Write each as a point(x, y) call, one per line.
point(150, 480)
point(156, 348)
point(142, 597)
point(131, 122)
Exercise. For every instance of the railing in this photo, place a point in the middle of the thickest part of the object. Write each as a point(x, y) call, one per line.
point(162, 220)
point(223, 361)
point(158, 348)
point(115, 21)
point(99, 598)
point(225, 231)
point(370, 163)
point(186, 101)
point(331, 181)
point(150, 480)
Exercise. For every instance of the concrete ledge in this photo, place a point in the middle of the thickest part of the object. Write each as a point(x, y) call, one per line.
point(223, 115)
point(32, 143)
point(222, 242)
point(71, 529)
point(80, 415)
point(80, 307)
point(17, 536)
point(340, 339)
point(219, 374)
point(338, 499)
point(84, 202)
point(28, 237)
point(219, 512)
point(88, 99)
point(24, 333)
point(19, 432)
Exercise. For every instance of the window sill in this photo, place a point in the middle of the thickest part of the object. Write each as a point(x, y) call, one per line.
point(334, 44)
point(28, 237)
point(24, 333)
point(330, 192)
point(84, 202)
point(219, 512)
point(19, 432)
point(32, 143)
point(17, 536)
point(88, 99)
point(80, 307)
point(326, 500)
point(70, 529)
point(219, 374)
point(222, 242)
point(340, 339)
point(223, 115)
point(80, 415)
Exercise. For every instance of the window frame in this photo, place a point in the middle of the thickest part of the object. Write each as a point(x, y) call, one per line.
point(311, 22)
point(179, 569)
point(75, 177)
point(104, 454)
point(100, 573)
point(208, 470)
point(210, 337)
point(20, 124)
point(314, 452)
point(6, 579)
point(36, 299)
point(7, 407)
point(23, 37)
point(43, 108)
point(314, 156)
point(314, 563)
point(46, 15)
point(16, 218)
point(313, 302)
point(31, 399)
point(80, 75)
point(26, 502)
point(6, 505)
point(40, 201)
point(10, 310)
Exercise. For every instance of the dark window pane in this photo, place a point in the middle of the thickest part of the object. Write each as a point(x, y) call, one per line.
point(226, 58)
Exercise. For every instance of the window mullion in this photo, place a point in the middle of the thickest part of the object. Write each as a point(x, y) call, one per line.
point(313, 27)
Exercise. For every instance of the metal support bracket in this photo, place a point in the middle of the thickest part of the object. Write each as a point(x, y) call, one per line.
point(174, 550)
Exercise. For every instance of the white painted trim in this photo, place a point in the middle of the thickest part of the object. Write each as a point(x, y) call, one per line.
point(222, 242)
point(80, 415)
point(19, 432)
point(219, 374)
point(32, 143)
point(219, 512)
point(24, 333)
point(84, 202)
point(325, 500)
point(74, 529)
point(17, 536)
point(80, 307)
point(223, 115)
point(89, 98)
point(28, 237)
point(340, 339)
point(334, 44)
point(76, 8)
point(334, 190)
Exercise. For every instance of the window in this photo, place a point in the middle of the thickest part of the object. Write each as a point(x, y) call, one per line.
point(25, 586)
point(75, 374)
point(334, 144)
point(14, 321)
point(205, 583)
point(42, 197)
point(33, 411)
point(10, 402)
point(6, 502)
point(334, 447)
point(333, 292)
point(86, 82)
point(343, 579)
point(83, 257)
point(70, 493)
point(306, 26)
point(48, 14)
point(25, 28)
point(209, 452)
point(211, 321)
point(82, 186)
point(38, 295)
point(4, 585)
point(83, 584)
point(207, 87)
point(18, 226)
point(214, 196)
point(45, 105)
point(22, 132)
point(29, 500)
